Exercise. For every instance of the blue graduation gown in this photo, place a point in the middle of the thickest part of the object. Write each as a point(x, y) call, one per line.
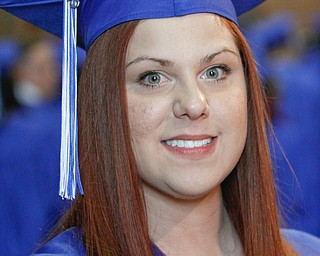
point(70, 243)
point(29, 178)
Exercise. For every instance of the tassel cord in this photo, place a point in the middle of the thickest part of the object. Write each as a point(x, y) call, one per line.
point(69, 166)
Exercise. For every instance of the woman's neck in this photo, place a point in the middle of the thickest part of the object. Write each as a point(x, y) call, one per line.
point(191, 226)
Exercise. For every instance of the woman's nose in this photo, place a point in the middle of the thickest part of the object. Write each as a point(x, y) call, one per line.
point(191, 102)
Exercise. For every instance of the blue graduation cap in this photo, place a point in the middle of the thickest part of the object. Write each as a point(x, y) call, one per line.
point(59, 17)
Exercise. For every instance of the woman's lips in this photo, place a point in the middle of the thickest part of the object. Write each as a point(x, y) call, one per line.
point(191, 147)
point(188, 143)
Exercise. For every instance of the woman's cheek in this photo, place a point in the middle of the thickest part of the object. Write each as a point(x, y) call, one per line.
point(230, 113)
point(144, 118)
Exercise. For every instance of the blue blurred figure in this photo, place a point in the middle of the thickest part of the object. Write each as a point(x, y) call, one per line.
point(298, 131)
point(30, 153)
point(29, 157)
point(37, 74)
point(9, 53)
point(296, 116)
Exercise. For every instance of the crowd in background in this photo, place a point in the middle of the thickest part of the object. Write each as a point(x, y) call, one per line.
point(30, 131)
point(30, 145)
point(288, 58)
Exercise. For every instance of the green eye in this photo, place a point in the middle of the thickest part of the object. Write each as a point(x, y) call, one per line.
point(216, 73)
point(212, 73)
point(154, 78)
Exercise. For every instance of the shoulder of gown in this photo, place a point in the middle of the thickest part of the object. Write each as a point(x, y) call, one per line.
point(69, 242)
point(304, 243)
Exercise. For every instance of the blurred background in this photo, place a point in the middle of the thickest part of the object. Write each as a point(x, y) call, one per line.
point(285, 39)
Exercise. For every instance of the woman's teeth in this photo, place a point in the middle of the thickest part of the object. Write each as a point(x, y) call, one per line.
point(188, 143)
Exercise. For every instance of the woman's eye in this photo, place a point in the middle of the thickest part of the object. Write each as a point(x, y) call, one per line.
point(216, 73)
point(152, 79)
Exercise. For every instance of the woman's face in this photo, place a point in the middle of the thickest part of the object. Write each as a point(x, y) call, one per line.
point(187, 104)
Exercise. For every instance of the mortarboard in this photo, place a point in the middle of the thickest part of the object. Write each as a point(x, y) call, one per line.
point(59, 17)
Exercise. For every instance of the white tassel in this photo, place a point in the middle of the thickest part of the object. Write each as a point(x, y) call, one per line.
point(69, 167)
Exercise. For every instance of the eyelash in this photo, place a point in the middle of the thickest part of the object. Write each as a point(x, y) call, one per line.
point(224, 68)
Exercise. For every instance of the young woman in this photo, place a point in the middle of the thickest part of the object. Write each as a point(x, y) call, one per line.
point(173, 152)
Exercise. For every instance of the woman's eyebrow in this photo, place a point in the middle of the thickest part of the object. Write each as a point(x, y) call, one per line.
point(166, 63)
point(210, 57)
point(162, 62)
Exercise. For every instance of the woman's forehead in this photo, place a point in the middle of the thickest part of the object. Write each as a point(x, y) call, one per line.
point(169, 36)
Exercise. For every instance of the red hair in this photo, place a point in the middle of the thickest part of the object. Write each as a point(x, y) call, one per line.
point(112, 213)
point(249, 191)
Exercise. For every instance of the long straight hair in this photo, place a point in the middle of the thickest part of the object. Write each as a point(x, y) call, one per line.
point(112, 213)
point(249, 191)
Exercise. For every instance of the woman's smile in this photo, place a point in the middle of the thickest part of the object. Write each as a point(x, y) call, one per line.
point(191, 147)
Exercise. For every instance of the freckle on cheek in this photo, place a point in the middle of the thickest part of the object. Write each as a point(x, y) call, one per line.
point(140, 121)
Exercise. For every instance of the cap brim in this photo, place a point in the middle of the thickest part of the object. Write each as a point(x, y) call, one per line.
point(242, 6)
point(45, 14)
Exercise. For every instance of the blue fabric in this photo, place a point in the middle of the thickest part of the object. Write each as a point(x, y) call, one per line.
point(70, 243)
point(67, 243)
point(304, 243)
point(9, 53)
point(29, 178)
point(297, 128)
point(296, 117)
point(267, 34)
point(96, 16)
